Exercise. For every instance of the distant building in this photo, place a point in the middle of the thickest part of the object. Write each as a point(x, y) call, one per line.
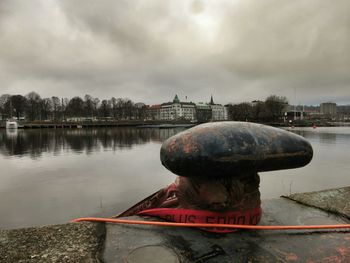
point(153, 112)
point(343, 109)
point(176, 110)
point(226, 115)
point(293, 115)
point(312, 111)
point(203, 112)
point(343, 112)
point(219, 112)
point(328, 108)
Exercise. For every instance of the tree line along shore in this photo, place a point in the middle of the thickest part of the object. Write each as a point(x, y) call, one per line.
point(34, 111)
point(32, 108)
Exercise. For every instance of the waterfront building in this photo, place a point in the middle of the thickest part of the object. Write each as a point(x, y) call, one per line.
point(153, 112)
point(343, 112)
point(343, 109)
point(176, 110)
point(312, 111)
point(203, 112)
point(219, 112)
point(226, 114)
point(292, 115)
point(328, 108)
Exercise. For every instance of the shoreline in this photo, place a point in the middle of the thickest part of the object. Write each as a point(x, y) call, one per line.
point(159, 124)
point(97, 124)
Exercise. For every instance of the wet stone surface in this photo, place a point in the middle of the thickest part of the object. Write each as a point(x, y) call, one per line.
point(230, 148)
point(194, 245)
point(153, 253)
point(332, 200)
point(73, 242)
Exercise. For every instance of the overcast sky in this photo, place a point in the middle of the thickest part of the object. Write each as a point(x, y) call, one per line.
point(237, 50)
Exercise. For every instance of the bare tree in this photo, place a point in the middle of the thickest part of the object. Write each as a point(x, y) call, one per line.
point(113, 102)
point(33, 103)
point(3, 99)
point(275, 106)
point(16, 106)
point(258, 111)
point(75, 107)
point(128, 107)
point(89, 106)
point(240, 112)
point(105, 108)
point(46, 108)
point(64, 105)
point(55, 107)
point(96, 103)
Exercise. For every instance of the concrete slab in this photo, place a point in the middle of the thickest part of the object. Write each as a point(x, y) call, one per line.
point(70, 242)
point(333, 200)
point(193, 245)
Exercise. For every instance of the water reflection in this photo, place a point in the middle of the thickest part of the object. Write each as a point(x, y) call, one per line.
point(324, 136)
point(328, 138)
point(11, 133)
point(51, 176)
point(35, 142)
point(328, 168)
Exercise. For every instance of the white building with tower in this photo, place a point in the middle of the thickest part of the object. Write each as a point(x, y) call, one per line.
point(219, 112)
point(176, 110)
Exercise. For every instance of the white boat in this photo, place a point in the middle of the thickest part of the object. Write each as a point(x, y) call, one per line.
point(12, 133)
point(11, 124)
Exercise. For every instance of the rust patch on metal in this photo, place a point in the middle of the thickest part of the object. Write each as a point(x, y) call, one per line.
point(188, 145)
point(172, 145)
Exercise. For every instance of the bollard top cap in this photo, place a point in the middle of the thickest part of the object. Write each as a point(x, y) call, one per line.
point(233, 148)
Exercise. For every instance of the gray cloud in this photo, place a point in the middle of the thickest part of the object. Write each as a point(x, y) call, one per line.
point(236, 50)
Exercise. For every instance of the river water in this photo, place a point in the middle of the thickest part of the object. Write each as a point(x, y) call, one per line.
point(52, 176)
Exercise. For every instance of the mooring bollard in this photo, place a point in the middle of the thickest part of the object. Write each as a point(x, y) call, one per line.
point(229, 148)
point(217, 166)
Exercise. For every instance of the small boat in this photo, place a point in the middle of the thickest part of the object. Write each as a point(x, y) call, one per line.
point(11, 124)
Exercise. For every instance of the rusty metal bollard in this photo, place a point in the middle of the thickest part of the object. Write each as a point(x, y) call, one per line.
point(217, 166)
point(229, 148)
point(218, 163)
